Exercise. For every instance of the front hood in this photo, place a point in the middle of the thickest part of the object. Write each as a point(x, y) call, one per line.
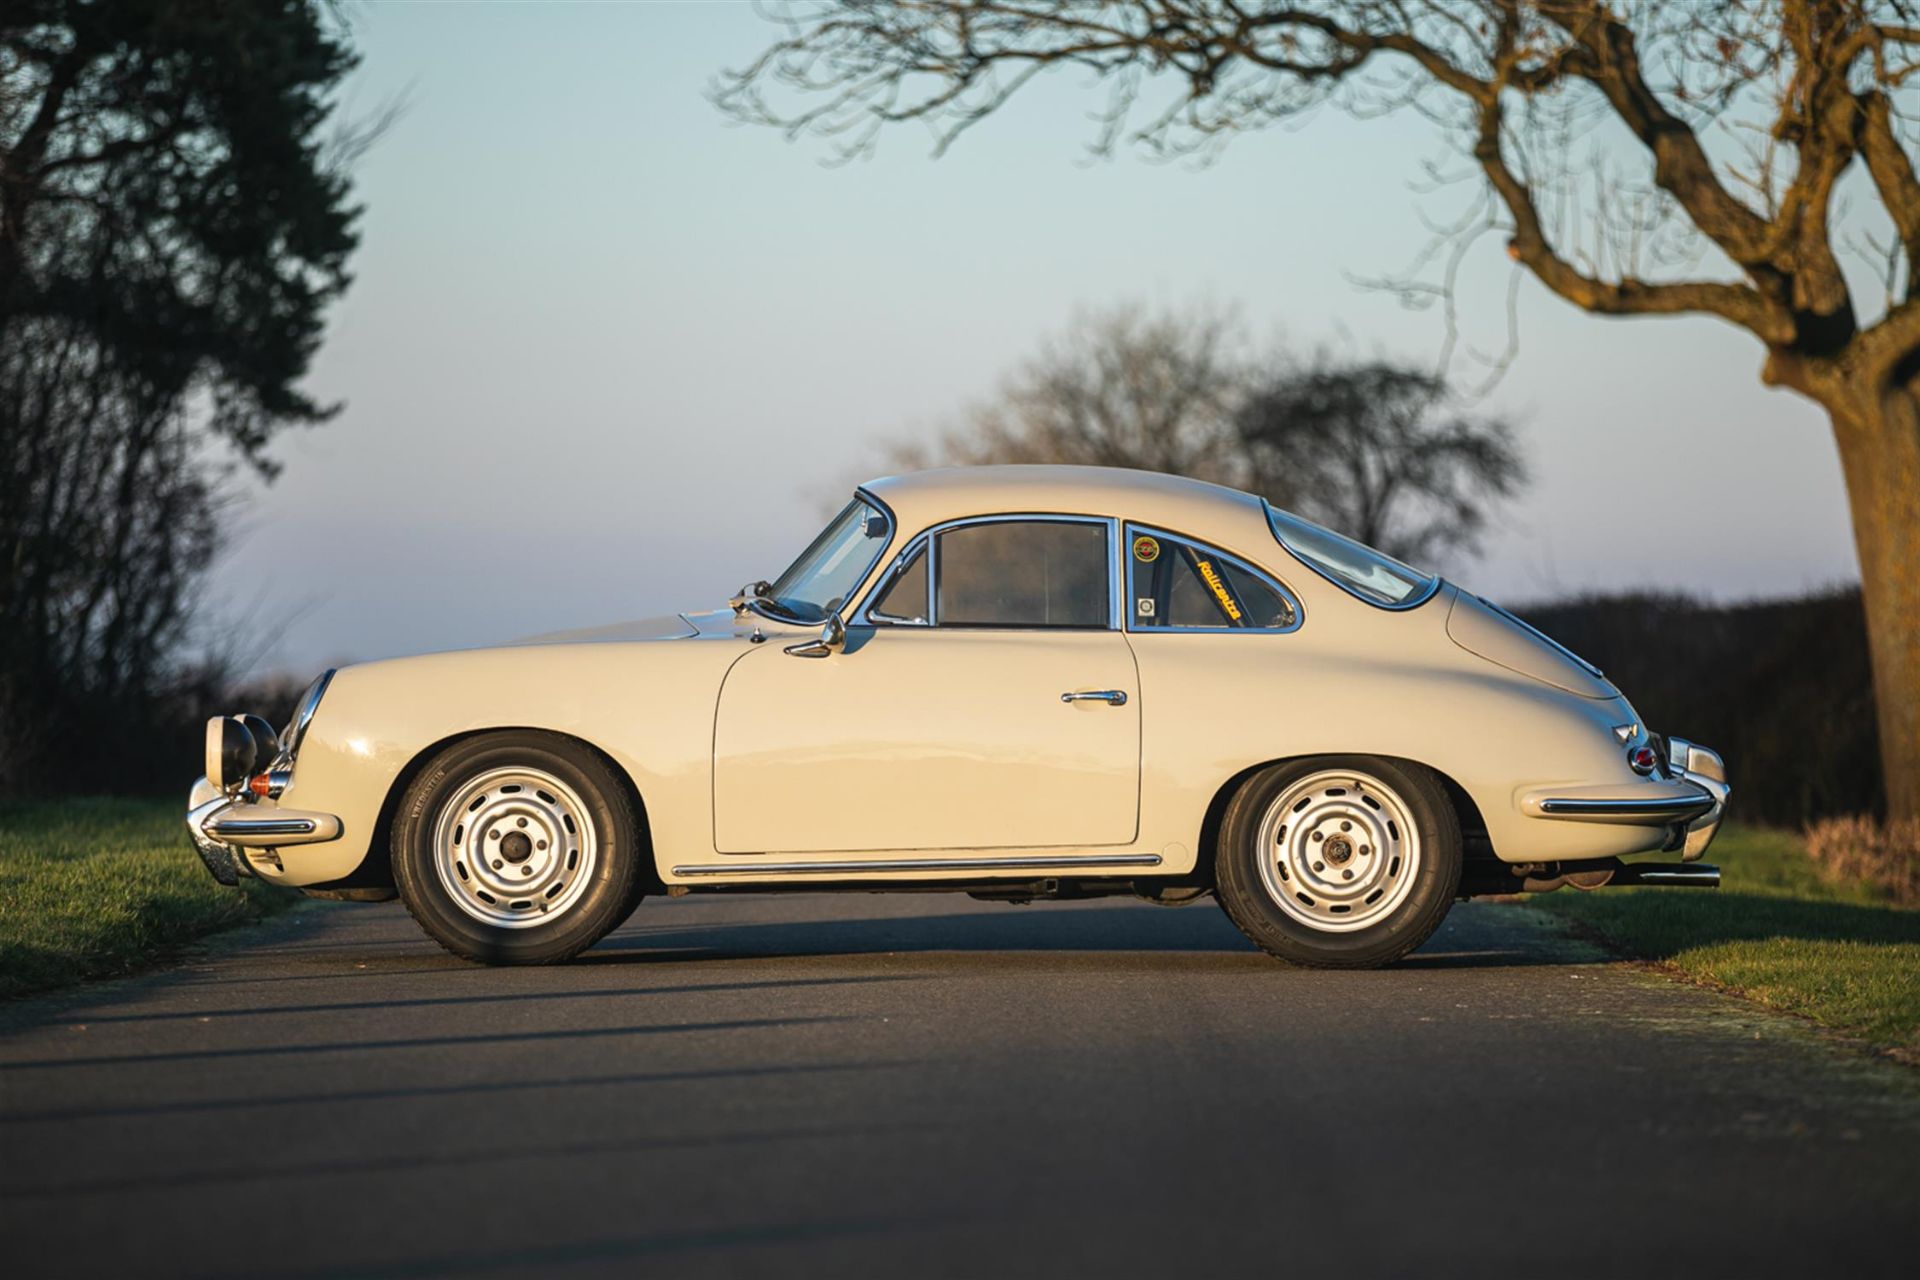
point(1488, 631)
point(671, 626)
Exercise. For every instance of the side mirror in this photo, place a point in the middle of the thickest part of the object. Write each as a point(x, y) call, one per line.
point(833, 637)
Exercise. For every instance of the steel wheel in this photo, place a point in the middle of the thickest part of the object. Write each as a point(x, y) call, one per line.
point(1338, 851)
point(513, 847)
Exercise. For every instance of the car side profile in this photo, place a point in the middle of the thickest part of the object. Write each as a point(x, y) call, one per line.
point(1015, 682)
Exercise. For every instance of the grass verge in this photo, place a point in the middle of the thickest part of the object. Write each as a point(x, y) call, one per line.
point(93, 888)
point(1776, 932)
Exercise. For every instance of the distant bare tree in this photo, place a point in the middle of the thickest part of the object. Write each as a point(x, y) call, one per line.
point(1121, 388)
point(1380, 451)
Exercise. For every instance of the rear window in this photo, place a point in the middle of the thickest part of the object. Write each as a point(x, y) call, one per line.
point(1352, 566)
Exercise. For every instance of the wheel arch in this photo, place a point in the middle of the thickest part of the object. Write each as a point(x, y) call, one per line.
point(376, 869)
point(1473, 824)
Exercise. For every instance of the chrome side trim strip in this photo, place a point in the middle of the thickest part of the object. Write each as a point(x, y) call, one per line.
point(917, 864)
point(238, 826)
point(1652, 808)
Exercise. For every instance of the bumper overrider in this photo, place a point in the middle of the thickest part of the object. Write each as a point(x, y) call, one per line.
point(234, 817)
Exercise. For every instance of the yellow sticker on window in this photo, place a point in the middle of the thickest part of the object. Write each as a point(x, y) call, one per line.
point(1145, 549)
point(1219, 589)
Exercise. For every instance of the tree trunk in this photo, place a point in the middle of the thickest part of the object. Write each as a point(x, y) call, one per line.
point(1880, 456)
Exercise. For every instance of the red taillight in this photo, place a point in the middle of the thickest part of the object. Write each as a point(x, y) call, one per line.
point(1643, 759)
point(261, 785)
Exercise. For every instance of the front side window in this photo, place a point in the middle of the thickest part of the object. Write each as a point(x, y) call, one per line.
point(1352, 566)
point(818, 582)
point(1178, 584)
point(1021, 573)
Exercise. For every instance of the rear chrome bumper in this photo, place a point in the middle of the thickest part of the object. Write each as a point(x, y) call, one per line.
point(1689, 802)
point(225, 828)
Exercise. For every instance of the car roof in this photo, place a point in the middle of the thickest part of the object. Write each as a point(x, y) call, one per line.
point(924, 498)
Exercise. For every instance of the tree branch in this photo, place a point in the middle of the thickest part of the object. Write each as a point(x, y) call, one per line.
point(1529, 246)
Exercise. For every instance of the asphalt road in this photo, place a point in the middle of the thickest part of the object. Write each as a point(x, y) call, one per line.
point(928, 1086)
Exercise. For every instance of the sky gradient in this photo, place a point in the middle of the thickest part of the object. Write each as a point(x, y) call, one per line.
point(609, 355)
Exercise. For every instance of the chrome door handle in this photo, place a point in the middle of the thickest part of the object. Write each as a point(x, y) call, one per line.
point(1112, 697)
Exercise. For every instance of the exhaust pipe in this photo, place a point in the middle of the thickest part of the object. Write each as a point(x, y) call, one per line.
point(1598, 873)
point(1670, 875)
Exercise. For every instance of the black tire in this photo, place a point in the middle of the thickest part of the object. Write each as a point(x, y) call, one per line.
point(1422, 902)
point(617, 880)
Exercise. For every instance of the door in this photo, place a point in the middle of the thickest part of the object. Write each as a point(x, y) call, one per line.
point(962, 726)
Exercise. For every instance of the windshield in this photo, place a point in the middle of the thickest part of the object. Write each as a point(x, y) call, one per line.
point(819, 582)
point(1358, 569)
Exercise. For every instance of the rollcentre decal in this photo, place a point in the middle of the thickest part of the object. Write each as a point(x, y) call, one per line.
point(1219, 589)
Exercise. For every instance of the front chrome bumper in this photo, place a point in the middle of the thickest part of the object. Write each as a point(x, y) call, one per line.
point(226, 830)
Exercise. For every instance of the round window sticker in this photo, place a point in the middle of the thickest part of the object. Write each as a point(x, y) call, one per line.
point(1145, 549)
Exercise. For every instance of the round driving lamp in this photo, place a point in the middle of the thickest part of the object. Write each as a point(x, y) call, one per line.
point(266, 742)
point(231, 752)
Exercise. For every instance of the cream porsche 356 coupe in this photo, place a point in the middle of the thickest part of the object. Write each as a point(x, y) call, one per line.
point(1015, 682)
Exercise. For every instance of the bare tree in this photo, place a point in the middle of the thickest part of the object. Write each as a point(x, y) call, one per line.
point(1380, 451)
point(1122, 388)
point(1715, 138)
point(172, 231)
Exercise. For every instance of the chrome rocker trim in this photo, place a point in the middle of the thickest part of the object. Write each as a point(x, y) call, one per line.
point(916, 864)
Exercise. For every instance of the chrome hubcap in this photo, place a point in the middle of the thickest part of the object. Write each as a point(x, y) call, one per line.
point(1338, 851)
point(513, 847)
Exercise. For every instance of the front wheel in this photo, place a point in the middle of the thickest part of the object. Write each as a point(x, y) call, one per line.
point(1342, 862)
point(517, 848)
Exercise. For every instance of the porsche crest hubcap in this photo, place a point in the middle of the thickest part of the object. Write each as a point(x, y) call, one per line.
point(513, 847)
point(1338, 851)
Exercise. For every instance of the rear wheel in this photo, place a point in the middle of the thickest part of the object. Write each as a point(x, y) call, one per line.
point(518, 848)
point(1342, 862)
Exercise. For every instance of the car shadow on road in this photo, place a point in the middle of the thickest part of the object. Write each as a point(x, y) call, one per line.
point(1194, 934)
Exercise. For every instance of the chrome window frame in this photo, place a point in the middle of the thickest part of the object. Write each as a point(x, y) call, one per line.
point(860, 494)
point(870, 614)
point(1286, 593)
point(928, 539)
point(1411, 602)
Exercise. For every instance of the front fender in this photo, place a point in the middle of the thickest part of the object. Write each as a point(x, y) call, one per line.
point(647, 706)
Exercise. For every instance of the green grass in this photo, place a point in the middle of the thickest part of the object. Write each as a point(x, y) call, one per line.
point(95, 888)
point(1776, 932)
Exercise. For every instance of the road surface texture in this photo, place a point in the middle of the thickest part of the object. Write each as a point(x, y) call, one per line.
point(922, 1085)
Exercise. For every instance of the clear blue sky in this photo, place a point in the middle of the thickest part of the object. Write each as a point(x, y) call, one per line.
point(609, 355)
